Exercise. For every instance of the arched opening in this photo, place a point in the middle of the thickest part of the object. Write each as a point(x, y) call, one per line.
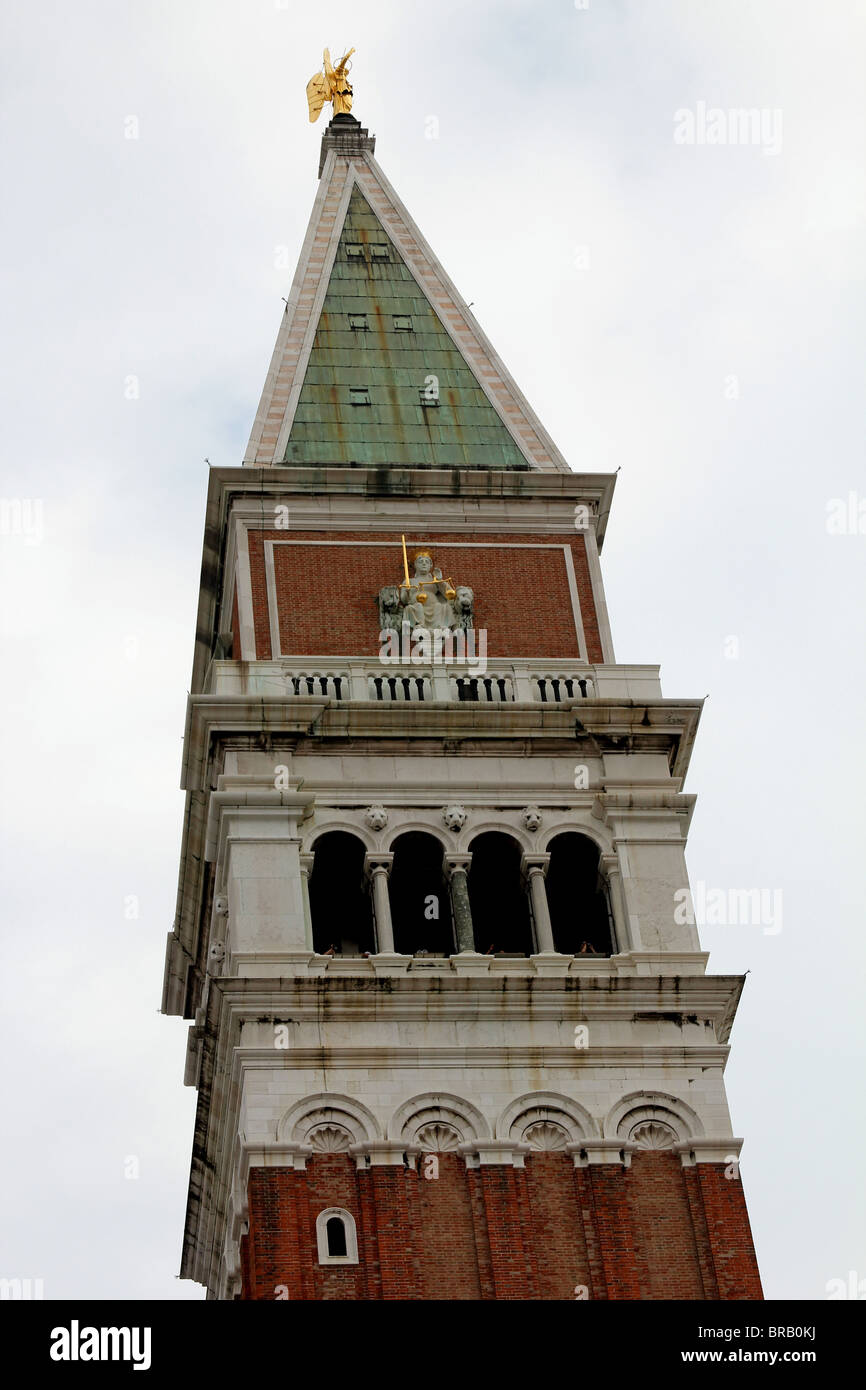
point(336, 1237)
point(497, 896)
point(420, 903)
point(336, 1234)
point(340, 905)
point(577, 897)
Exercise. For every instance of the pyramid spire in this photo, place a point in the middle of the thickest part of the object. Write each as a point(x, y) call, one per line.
point(379, 361)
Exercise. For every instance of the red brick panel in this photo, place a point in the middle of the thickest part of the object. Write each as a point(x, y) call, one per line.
point(332, 1181)
point(703, 1244)
point(509, 1230)
point(556, 1225)
point(662, 1223)
point(480, 1234)
point(653, 1231)
point(278, 1240)
point(585, 1200)
point(326, 594)
point(395, 1195)
point(444, 1235)
point(733, 1251)
point(368, 1245)
point(623, 1267)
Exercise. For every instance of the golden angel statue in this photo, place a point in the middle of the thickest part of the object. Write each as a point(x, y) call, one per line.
point(331, 85)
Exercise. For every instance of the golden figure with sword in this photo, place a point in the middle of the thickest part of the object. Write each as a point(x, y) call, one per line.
point(426, 596)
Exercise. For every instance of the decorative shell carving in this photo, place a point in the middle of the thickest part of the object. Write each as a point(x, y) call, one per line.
point(531, 817)
point(454, 816)
point(376, 817)
point(545, 1135)
point(651, 1134)
point(437, 1138)
point(329, 1139)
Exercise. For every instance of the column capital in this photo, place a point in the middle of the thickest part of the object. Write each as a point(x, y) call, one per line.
point(534, 863)
point(306, 862)
point(457, 863)
point(378, 863)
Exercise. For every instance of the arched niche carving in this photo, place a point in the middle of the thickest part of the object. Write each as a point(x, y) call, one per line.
point(632, 1116)
point(318, 1113)
point(438, 1108)
point(545, 1108)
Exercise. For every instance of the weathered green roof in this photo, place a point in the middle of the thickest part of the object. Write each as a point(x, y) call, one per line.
point(391, 367)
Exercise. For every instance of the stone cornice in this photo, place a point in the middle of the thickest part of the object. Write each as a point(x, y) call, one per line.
point(397, 481)
point(658, 725)
point(407, 998)
point(435, 1058)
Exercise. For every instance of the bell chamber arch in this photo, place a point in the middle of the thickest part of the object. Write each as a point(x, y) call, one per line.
point(340, 907)
point(578, 897)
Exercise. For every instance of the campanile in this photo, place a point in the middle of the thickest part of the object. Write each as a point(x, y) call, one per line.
point(452, 1031)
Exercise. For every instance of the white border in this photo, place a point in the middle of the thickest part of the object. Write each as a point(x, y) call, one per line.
point(351, 1256)
point(246, 620)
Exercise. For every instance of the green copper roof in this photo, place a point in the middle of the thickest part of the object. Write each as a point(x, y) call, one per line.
point(361, 398)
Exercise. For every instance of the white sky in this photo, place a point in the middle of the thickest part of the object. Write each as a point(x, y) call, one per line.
point(155, 257)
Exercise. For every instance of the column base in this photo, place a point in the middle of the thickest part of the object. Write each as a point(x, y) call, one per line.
point(389, 963)
point(471, 963)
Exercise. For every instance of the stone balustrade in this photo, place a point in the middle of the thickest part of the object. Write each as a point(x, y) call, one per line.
point(502, 682)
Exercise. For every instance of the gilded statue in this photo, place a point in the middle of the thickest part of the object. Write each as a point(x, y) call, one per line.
point(331, 85)
point(425, 599)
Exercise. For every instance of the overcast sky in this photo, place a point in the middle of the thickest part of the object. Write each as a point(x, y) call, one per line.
point(688, 313)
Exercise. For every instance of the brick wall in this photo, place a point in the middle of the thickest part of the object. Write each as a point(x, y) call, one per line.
point(653, 1231)
point(326, 593)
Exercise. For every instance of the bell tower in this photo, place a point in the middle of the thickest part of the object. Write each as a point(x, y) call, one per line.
point(452, 1030)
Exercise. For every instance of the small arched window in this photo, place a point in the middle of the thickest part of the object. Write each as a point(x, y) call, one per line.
point(336, 1237)
point(335, 1231)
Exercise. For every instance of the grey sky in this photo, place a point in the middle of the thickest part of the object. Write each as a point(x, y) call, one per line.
point(689, 314)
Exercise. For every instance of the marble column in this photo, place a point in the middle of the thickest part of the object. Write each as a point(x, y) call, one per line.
point(378, 867)
point(457, 870)
point(534, 869)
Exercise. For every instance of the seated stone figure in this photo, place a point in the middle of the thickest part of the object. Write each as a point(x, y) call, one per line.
point(425, 600)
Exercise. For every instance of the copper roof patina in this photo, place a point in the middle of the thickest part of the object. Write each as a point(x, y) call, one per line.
point(379, 334)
